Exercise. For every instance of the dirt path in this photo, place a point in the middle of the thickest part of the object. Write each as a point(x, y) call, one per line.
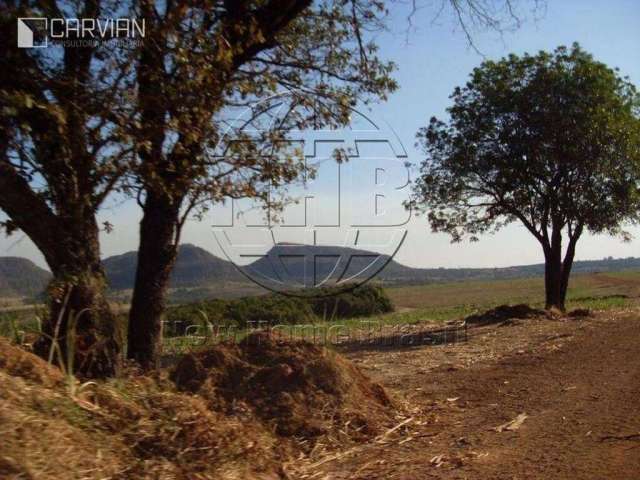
point(578, 382)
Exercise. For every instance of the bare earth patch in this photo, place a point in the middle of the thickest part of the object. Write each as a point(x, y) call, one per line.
point(528, 398)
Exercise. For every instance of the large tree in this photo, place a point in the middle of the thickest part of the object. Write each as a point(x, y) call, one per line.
point(549, 140)
point(212, 55)
point(61, 155)
point(242, 53)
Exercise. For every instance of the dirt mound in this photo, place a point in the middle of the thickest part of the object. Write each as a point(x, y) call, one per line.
point(234, 416)
point(136, 427)
point(297, 388)
point(580, 313)
point(503, 313)
point(20, 363)
point(178, 433)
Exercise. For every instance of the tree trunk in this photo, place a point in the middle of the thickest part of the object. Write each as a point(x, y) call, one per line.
point(83, 327)
point(553, 283)
point(156, 256)
point(69, 241)
point(79, 310)
point(558, 270)
point(553, 271)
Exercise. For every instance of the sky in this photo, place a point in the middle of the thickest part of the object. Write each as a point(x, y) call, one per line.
point(432, 59)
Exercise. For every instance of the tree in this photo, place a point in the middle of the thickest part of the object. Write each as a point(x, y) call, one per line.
point(61, 155)
point(244, 54)
point(550, 140)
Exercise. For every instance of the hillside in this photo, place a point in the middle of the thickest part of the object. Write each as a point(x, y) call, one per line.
point(200, 274)
point(195, 267)
point(396, 273)
point(20, 277)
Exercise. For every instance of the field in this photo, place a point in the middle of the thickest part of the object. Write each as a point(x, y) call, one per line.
point(445, 302)
point(527, 399)
point(440, 302)
point(451, 300)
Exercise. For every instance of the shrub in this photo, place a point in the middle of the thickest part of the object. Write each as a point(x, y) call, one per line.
point(179, 318)
point(325, 303)
point(272, 309)
point(362, 301)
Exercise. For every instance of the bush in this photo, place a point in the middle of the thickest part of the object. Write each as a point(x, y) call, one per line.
point(179, 318)
point(273, 309)
point(242, 312)
point(362, 301)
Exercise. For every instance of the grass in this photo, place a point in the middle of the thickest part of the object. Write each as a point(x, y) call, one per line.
point(14, 323)
point(442, 302)
point(526, 290)
point(437, 303)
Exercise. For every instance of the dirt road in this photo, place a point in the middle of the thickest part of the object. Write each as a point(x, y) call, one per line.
point(577, 382)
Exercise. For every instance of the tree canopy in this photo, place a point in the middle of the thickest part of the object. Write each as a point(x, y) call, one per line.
point(550, 140)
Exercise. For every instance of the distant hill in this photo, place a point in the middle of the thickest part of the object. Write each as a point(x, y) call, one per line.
point(195, 267)
point(394, 272)
point(20, 277)
point(200, 274)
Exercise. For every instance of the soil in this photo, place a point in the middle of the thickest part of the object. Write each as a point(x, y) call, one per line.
point(572, 385)
point(297, 389)
point(535, 397)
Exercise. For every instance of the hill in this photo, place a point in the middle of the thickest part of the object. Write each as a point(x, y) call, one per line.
point(198, 274)
point(20, 277)
point(396, 273)
point(195, 267)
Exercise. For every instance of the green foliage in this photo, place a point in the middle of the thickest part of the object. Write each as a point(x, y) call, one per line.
point(362, 301)
point(270, 309)
point(10, 328)
point(273, 309)
point(242, 312)
point(551, 140)
point(15, 324)
point(179, 318)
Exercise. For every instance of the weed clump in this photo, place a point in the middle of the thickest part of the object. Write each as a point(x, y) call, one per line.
point(503, 313)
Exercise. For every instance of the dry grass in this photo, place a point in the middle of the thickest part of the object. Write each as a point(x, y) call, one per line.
point(141, 426)
point(297, 389)
point(522, 290)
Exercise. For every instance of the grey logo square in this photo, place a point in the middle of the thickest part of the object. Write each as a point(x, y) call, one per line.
point(32, 32)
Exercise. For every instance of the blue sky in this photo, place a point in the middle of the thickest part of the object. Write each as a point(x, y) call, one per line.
point(432, 60)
